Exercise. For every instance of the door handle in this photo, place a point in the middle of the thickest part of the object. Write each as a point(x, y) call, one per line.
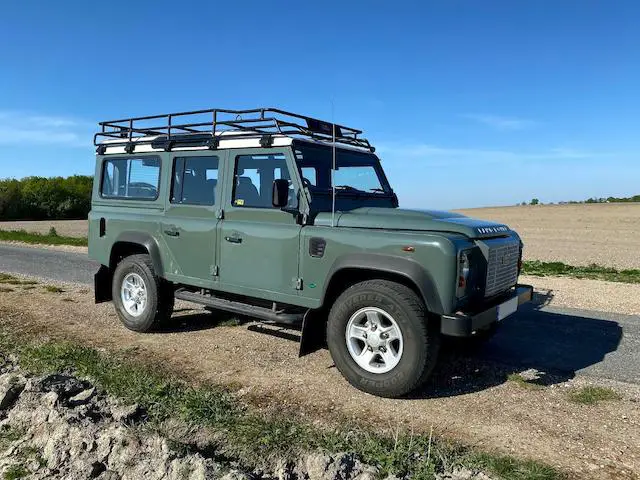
point(233, 239)
point(172, 233)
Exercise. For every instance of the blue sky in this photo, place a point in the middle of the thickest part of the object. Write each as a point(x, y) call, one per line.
point(470, 103)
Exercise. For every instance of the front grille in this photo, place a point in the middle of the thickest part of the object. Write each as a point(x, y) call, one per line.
point(502, 267)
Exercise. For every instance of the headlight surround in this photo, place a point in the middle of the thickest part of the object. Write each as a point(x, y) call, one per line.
point(464, 270)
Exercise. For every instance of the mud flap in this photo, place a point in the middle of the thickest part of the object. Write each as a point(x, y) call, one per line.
point(314, 333)
point(102, 285)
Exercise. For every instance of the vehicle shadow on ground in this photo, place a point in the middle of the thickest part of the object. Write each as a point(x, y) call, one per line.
point(552, 346)
point(195, 320)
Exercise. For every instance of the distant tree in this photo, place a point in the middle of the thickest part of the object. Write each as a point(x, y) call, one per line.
point(534, 201)
point(40, 198)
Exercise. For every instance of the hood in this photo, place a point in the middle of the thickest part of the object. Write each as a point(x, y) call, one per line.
point(421, 220)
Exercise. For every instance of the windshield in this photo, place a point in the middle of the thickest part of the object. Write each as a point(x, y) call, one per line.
point(356, 172)
point(359, 178)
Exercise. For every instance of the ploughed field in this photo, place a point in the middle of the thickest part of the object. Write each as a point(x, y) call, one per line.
point(607, 234)
point(581, 234)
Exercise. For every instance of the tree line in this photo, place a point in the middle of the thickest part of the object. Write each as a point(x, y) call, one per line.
point(40, 198)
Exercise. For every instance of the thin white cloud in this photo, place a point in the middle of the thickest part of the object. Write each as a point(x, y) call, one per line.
point(19, 128)
point(501, 123)
point(437, 155)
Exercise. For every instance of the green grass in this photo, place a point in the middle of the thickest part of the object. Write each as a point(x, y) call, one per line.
point(51, 238)
point(15, 472)
point(258, 439)
point(593, 271)
point(53, 289)
point(11, 280)
point(9, 435)
point(523, 382)
point(592, 395)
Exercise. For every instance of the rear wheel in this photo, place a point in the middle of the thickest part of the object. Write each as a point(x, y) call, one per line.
point(143, 301)
point(381, 339)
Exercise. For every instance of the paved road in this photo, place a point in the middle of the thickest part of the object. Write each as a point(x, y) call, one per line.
point(561, 341)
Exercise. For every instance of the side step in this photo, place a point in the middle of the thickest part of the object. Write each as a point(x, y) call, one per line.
point(261, 313)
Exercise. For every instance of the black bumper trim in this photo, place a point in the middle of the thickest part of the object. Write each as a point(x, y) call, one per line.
point(463, 325)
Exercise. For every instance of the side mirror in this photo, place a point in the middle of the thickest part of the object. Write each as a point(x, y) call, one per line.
point(280, 193)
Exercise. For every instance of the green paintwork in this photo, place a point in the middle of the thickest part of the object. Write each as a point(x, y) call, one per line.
point(273, 262)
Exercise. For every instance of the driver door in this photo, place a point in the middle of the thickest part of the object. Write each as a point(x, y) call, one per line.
point(259, 244)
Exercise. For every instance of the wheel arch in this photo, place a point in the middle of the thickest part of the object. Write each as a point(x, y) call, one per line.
point(353, 268)
point(132, 243)
point(127, 243)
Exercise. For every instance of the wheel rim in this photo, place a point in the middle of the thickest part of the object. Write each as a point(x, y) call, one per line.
point(374, 340)
point(134, 294)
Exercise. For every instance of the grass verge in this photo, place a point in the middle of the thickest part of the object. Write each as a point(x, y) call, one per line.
point(593, 271)
point(522, 382)
point(51, 238)
point(591, 395)
point(248, 436)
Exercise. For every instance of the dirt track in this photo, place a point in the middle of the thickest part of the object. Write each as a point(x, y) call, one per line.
point(467, 400)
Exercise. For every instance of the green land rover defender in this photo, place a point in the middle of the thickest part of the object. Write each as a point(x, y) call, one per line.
point(291, 220)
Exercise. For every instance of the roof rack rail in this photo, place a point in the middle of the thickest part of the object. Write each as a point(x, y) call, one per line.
point(180, 127)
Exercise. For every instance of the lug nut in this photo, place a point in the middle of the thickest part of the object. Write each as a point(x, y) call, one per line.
point(384, 335)
point(364, 335)
point(373, 328)
point(383, 349)
point(370, 348)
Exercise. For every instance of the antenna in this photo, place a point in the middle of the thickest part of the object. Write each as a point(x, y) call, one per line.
point(333, 166)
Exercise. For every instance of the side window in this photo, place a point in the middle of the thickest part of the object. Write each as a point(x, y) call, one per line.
point(194, 180)
point(131, 178)
point(309, 175)
point(253, 180)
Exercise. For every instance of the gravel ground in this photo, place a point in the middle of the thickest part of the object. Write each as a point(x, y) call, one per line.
point(468, 398)
point(606, 234)
point(588, 294)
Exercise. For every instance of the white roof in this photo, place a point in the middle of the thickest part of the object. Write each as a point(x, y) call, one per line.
point(235, 142)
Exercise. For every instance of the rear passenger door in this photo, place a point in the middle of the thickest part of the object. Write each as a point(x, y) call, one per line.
point(189, 227)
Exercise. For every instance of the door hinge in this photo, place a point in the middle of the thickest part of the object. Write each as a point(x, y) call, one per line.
point(214, 270)
point(220, 214)
point(298, 284)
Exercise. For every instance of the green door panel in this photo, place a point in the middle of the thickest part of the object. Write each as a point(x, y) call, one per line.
point(189, 233)
point(260, 254)
point(258, 245)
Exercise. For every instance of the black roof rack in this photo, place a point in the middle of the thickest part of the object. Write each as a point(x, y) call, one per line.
point(204, 127)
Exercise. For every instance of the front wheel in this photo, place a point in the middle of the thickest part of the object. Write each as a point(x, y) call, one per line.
point(143, 301)
point(381, 338)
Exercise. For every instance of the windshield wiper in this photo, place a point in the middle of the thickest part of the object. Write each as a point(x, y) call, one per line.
point(381, 190)
point(348, 188)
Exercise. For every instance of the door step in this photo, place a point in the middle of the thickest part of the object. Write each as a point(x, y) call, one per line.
point(260, 313)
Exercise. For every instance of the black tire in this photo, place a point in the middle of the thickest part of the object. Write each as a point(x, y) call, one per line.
point(160, 298)
point(420, 334)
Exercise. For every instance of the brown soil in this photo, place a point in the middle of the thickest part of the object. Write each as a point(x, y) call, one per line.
point(470, 401)
point(606, 234)
point(65, 228)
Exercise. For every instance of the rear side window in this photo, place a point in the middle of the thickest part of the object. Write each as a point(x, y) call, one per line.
point(195, 180)
point(131, 178)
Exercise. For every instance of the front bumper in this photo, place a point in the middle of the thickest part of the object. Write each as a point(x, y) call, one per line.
point(464, 324)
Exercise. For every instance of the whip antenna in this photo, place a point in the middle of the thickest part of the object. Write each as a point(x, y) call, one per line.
point(333, 167)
